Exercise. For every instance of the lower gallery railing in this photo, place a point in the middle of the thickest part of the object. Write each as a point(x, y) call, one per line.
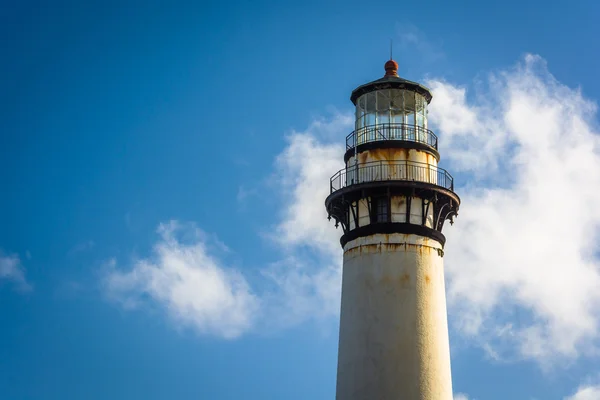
point(391, 171)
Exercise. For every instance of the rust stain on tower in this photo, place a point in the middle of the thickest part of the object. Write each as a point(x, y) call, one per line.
point(393, 325)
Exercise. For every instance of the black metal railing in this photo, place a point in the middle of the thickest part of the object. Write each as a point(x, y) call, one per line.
point(391, 131)
point(391, 171)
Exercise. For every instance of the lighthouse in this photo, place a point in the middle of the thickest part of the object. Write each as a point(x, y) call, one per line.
point(391, 201)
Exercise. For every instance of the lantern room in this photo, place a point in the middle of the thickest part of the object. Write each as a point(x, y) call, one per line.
point(392, 108)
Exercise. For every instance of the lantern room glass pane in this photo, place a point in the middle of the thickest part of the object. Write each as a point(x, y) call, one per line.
point(420, 131)
point(396, 99)
point(370, 119)
point(371, 102)
point(383, 117)
point(409, 112)
point(419, 103)
point(409, 101)
point(360, 113)
point(383, 100)
point(396, 106)
point(425, 114)
point(371, 109)
point(396, 116)
point(383, 106)
point(409, 118)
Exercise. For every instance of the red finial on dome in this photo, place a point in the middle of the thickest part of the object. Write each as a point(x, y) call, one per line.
point(391, 68)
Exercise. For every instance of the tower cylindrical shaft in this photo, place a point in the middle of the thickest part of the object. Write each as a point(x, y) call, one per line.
point(393, 327)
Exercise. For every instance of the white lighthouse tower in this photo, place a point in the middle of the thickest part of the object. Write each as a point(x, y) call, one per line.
point(392, 200)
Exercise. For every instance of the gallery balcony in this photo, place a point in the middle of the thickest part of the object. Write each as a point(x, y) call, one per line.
point(391, 135)
point(391, 171)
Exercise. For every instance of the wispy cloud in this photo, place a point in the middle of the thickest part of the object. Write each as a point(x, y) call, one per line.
point(521, 262)
point(82, 247)
point(244, 194)
point(187, 279)
point(12, 270)
point(308, 278)
point(586, 392)
point(190, 281)
point(411, 39)
point(461, 396)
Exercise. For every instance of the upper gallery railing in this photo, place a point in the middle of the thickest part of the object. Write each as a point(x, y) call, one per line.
point(391, 131)
point(377, 171)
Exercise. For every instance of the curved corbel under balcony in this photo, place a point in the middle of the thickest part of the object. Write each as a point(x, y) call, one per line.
point(397, 135)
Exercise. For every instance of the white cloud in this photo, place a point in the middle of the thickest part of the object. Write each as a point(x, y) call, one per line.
point(82, 247)
point(467, 127)
point(196, 288)
point(522, 259)
point(588, 392)
point(190, 283)
point(460, 396)
point(12, 270)
point(308, 278)
point(303, 171)
point(412, 39)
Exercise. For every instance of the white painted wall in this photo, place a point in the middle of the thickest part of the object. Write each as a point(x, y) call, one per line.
point(393, 328)
point(393, 155)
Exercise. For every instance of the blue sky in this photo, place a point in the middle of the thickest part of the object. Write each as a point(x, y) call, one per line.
point(163, 171)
